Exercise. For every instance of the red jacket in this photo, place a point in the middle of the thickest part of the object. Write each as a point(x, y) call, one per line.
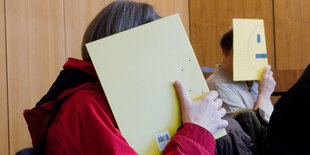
point(80, 121)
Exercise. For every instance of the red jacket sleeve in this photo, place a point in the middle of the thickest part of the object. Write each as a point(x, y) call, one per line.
point(85, 125)
point(191, 139)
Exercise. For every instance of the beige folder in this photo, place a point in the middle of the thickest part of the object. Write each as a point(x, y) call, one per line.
point(137, 69)
point(249, 49)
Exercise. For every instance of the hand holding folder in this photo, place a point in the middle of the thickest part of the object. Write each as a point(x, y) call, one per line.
point(205, 112)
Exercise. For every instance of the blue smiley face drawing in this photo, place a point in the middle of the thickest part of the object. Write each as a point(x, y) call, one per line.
point(256, 48)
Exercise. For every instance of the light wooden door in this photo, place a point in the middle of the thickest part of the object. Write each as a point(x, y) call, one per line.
point(35, 55)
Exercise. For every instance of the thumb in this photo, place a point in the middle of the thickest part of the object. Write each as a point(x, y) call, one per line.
point(184, 98)
point(267, 69)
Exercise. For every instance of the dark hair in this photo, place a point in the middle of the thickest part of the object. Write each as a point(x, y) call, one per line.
point(227, 41)
point(118, 16)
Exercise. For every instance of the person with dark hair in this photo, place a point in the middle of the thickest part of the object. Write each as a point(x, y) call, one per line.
point(74, 116)
point(248, 102)
point(241, 94)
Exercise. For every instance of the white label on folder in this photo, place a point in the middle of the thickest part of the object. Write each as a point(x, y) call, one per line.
point(162, 138)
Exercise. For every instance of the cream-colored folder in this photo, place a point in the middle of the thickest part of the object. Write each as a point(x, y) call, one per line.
point(137, 69)
point(249, 49)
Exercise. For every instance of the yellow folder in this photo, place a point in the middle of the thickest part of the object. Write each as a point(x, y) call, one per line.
point(249, 49)
point(137, 69)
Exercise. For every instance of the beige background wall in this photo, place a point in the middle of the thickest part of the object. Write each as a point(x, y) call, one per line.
point(37, 36)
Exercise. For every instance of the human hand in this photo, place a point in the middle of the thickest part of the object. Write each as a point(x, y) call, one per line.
point(267, 83)
point(206, 112)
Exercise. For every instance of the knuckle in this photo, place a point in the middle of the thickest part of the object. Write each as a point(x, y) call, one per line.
point(207, 100)
point(214, 91)
point(223, 111)
point(220, 102)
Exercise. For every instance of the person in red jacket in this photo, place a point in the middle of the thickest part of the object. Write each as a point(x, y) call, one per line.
point(74, 116)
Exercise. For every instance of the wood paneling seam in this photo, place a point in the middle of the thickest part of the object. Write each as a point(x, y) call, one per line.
point(65, 29)
point(7, 76)
point(189, 20)
point(274, 37)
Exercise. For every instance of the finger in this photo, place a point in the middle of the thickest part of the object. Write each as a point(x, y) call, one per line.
point(267, 69)
point(223, 124)
point(274, 82)
point(184, 98)
point(218, 103)
point(271, 73)
point(222, 112)
point(212, 95)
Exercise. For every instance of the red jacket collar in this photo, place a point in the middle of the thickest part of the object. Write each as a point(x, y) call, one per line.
point(41, 117)
point(80, 65)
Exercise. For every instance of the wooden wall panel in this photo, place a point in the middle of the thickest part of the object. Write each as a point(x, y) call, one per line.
point(210, 19)
point(169, 7)
point(78, 14)
point(4, 147)
point(292, 33)
point(286, 79)
point(274, 99)
point(36, 53)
